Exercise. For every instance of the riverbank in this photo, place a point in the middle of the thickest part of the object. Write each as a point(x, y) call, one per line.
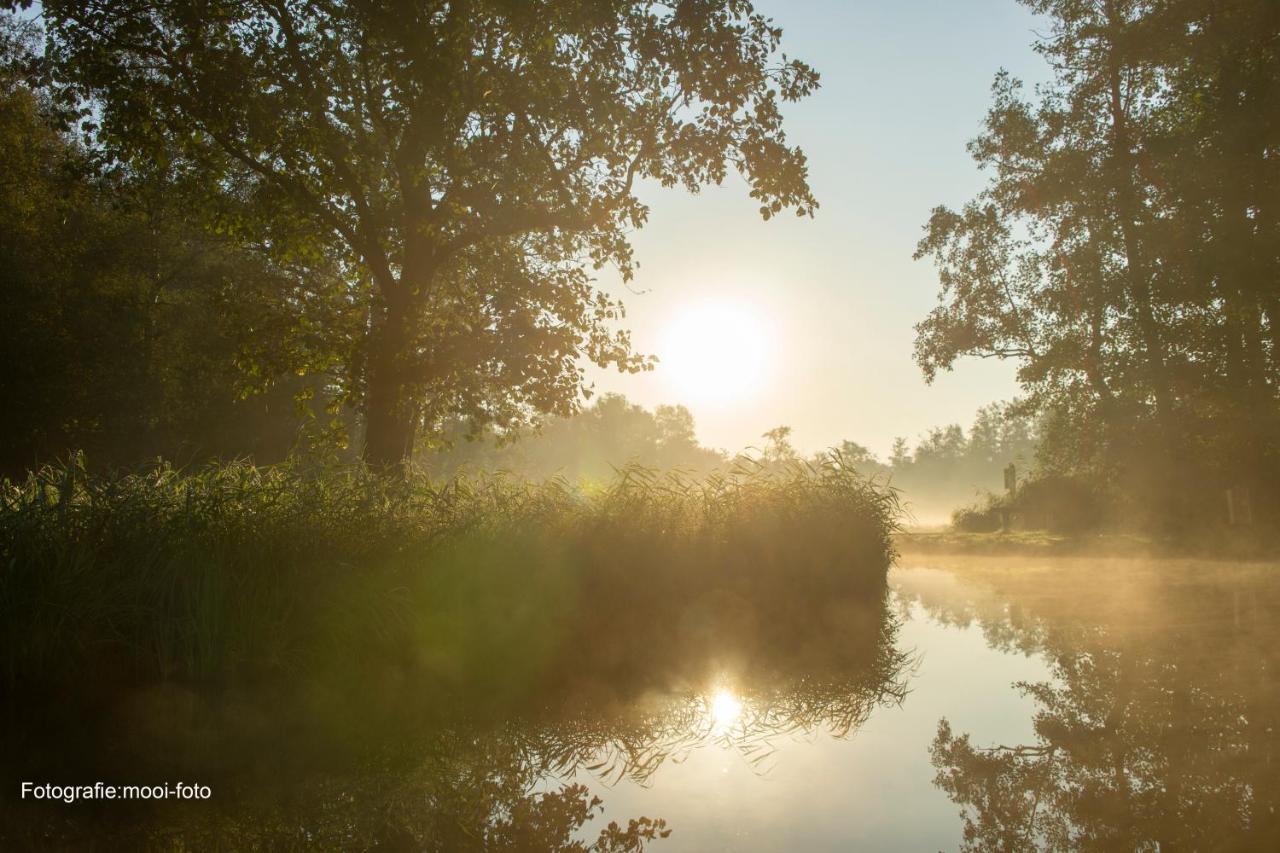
point(237, 574)
point(1035, 543)
point(359, 661)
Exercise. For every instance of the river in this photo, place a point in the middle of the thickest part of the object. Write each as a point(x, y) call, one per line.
point(980, 703)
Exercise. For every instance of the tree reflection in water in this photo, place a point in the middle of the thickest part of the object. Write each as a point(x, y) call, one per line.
point(464, 773)
point(1159, 729)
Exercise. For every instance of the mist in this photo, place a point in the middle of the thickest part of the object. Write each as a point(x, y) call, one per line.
point(607, 427)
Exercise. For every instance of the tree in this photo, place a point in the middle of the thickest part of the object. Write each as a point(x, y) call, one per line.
point(948, 469)
point(125, 319)
point(900, 454)
point(464, 160)
point(589, 446)
point(861, 458)
point(1122, 253)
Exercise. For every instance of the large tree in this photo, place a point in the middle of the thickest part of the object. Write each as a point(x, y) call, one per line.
point(1124, 252)
point(468, 162)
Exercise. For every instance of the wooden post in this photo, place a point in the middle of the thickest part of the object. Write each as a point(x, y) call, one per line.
point(1010, 486)
point(1239, 508)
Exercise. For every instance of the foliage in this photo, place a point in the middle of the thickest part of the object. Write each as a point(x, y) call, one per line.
point(126, 321)
point(949, 466)
point(1053, 502)
point(587, 447)
point(461, 162)
point(985, 518)
point(1123, 253)
point(946, 467)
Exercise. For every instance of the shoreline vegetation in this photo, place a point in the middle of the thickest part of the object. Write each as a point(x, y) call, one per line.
point(407, 663)
point(1043, 543)
point(235, 573)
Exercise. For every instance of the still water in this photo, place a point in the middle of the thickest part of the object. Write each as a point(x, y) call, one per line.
point(869, 789)
point(1061, 704)
point(979, 703)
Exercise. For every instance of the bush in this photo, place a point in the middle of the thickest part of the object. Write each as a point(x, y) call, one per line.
point(1054, 502)
point(977, 519)
point(1060, 504)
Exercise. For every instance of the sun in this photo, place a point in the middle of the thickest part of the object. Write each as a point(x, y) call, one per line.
point(716, 353)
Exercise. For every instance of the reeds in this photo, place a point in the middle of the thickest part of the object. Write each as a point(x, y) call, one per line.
point(239, 573)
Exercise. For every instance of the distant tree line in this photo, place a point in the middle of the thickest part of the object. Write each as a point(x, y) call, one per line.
point(1125, 253)
point(947, 468)
point(589, 446)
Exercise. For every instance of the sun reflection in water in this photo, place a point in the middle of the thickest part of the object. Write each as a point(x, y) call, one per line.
point(725, 709)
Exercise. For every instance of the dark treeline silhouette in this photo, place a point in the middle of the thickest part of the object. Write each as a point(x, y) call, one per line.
point(1126, 253)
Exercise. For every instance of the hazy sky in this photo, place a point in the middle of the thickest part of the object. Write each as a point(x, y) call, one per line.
point(905, 84)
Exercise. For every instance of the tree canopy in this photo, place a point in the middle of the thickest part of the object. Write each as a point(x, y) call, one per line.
point(1124, 252)
point(127, 322)
point(464, 164)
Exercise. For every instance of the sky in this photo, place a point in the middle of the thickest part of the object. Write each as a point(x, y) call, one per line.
point(829, 303)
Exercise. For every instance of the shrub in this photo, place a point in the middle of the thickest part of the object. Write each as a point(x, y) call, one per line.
point(1054, 502)
point(977, 519)
point(1060, 504)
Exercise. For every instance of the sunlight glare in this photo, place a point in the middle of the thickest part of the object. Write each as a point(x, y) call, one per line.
point(725, 709)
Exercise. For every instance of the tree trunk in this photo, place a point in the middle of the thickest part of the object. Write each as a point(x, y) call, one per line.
point(390, 410)
point(1093, 358)
point(1128, 212)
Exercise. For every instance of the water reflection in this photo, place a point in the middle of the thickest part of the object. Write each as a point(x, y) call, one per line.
point(1160, 727)
point(828, 678)
point(724, 709)
point(1147, 719)
point(459, 772)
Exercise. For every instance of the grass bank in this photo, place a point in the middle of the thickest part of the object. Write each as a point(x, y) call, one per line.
point(240, 574)
point(1020, 542)
point(1224, 544)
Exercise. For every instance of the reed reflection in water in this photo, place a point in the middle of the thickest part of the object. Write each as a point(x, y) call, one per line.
point(466, 772)
point(982, 704)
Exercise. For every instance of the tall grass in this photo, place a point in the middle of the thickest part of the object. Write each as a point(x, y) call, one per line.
point(237, 573)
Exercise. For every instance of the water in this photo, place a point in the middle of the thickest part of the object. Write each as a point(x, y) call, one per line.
point(1108, 704)
point(985, 703)
point(871, 789)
